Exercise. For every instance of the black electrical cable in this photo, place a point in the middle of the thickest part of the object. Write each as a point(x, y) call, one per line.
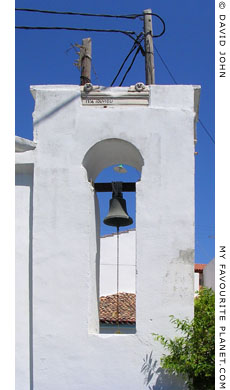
point(138, 42)
point(129, 33)
point(164, 63)
point(130, 66)
point(162, 21)
point(173, 78)
point(206, 130)
point(123, 63)
point(131, 16)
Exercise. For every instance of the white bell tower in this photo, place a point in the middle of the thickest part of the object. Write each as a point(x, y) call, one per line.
point(77, 134)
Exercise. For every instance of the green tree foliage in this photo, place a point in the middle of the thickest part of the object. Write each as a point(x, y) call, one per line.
point(192, 355)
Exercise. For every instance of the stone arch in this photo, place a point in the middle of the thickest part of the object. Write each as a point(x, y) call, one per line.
point(109, 152)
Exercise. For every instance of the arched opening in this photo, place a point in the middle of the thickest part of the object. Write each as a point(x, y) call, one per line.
point(115, 278)
point(110, 152)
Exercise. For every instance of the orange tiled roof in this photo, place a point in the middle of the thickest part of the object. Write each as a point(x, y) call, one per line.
point(127, 308)
point(199, 267)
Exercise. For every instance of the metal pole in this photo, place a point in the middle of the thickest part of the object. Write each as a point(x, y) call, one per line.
point(149, 55)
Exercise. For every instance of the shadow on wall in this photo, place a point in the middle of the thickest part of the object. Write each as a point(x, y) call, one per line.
point(163, 381)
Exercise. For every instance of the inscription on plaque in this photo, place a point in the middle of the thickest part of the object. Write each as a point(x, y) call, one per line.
point(128, 99)
point(103, 101)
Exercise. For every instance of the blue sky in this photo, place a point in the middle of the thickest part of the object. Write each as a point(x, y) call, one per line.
point(187, 47)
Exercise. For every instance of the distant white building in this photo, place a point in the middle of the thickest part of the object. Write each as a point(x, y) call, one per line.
point(127, 263)
point(204, 275)
point(209, 275)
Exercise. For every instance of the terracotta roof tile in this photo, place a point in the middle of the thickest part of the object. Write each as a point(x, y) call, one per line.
point(199, 267)
point(127, 308)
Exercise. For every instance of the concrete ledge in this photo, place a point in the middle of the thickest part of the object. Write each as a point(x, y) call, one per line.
point(23, 145)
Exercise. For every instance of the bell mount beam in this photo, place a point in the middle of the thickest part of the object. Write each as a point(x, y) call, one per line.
point(107, 187)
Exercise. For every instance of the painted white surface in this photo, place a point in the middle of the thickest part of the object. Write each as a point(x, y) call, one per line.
point(159, 139)
point(209, 275)
point(24, 188)
point(127, 263)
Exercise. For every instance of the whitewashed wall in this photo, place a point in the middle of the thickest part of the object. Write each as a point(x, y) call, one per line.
point(158, 139)
point(23, 270)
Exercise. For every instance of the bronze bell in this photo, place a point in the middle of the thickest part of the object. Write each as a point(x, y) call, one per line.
point(117, 215)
